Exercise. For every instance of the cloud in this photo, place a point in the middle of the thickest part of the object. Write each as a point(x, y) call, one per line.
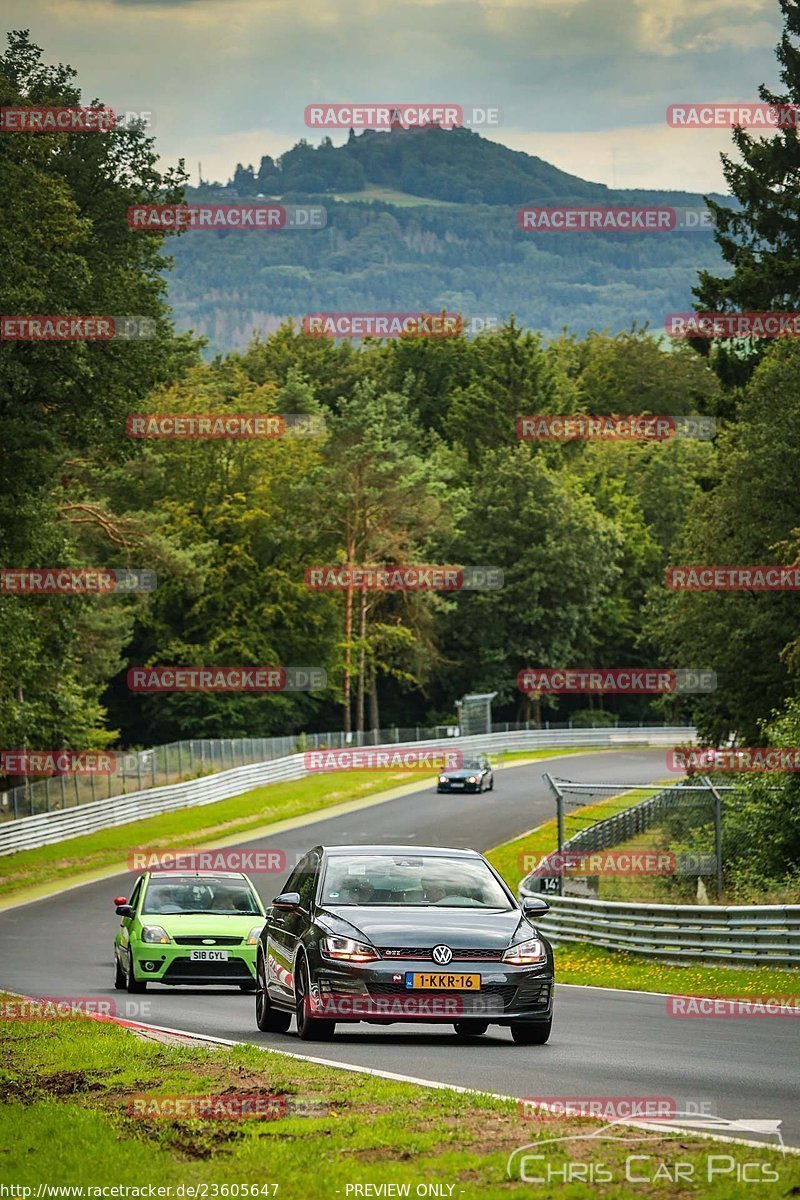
point(230, 81)
point(703, 26)
point(643, 156)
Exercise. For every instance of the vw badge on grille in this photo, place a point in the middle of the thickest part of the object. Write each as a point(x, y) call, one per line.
point(442, 955)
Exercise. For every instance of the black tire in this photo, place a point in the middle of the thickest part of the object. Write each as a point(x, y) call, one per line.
point(465, 1029)
point(132, 984)
point(309, 1029)
point(491, 785)
point(531, 1033)
point(119, 974)
point(268, 1018)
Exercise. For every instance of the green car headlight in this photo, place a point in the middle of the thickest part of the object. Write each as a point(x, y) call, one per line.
point(254, 935)
point(154, 933)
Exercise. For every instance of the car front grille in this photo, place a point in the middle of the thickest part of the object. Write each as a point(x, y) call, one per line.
point(184, 968)
point(425, 954)
point(208, 941)
point(505, 992)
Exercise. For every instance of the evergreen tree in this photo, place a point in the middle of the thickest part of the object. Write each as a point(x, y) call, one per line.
point(761, 238)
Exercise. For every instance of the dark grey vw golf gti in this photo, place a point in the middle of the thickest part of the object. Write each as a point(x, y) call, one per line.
point(402, 933)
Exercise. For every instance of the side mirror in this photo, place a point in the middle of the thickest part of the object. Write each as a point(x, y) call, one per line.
point(534, 904)
point(287, 902)
point(126, 910)
point(120, 899)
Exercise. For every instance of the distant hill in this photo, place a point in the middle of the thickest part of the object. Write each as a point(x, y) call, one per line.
point(426, 219)
point(455, 165)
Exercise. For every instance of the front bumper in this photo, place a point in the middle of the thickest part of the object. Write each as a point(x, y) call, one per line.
point(171, 964)
point(378, 992)
point(452, 787)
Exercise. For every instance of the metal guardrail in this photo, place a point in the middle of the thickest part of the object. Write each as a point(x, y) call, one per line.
point(26, 833)
point(767, 934)
point(158, 766)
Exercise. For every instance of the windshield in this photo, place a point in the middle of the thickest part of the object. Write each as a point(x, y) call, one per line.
point(219, 896)
point(406, 881)
point(473, 764)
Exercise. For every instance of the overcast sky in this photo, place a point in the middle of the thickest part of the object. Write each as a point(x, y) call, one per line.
point(582, 83)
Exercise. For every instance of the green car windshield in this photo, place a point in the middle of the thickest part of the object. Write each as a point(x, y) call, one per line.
point(218, 896)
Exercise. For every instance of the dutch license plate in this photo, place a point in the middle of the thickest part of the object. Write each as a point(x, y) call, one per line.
point(209, 956)
point(456, 784)
point(443, 981)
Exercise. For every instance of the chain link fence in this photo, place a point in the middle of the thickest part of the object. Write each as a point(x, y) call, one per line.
point(138, 770)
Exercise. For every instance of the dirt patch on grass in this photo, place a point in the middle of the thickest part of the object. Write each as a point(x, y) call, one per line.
point(57, 1084)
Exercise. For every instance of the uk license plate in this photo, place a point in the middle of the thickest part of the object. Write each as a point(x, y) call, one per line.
point(443, 981)
point(209, 956)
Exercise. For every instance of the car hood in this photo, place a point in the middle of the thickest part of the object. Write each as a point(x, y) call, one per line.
point(463, 772)
point(480, 929)
point(204, 924)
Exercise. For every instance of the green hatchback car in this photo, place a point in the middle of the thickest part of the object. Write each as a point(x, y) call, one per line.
point(191, 928)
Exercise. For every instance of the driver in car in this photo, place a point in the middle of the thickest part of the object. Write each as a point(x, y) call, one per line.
point(434, 890)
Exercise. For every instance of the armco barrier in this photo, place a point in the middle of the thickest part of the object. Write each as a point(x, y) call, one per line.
point(767, 934)
point(26, 833)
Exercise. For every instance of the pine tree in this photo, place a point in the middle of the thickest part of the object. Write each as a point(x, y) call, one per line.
point(761, 238)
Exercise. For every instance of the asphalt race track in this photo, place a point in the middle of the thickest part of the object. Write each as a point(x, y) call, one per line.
point(604, 1043)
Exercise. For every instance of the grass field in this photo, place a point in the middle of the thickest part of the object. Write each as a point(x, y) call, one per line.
point(227, 819)
point(66, 1119)
point(390, 196)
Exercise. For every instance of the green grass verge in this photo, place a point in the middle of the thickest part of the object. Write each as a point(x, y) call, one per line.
point(201, 826)
point(64, 1120)
point(584, 964)
point(192, 826)
point(577, 962)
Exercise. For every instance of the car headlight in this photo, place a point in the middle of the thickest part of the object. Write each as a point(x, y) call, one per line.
point(154, 933)
point(443, 779)
point(472, 779)
point(525, 953)
point(348, 950)
point(254, 935)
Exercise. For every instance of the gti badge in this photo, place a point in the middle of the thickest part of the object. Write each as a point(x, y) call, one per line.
point(442, 955)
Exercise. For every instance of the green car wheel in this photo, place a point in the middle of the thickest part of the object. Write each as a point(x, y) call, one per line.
point(132, 984)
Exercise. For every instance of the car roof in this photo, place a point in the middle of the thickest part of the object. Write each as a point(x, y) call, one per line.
point(437, 851)
point(196, 874)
